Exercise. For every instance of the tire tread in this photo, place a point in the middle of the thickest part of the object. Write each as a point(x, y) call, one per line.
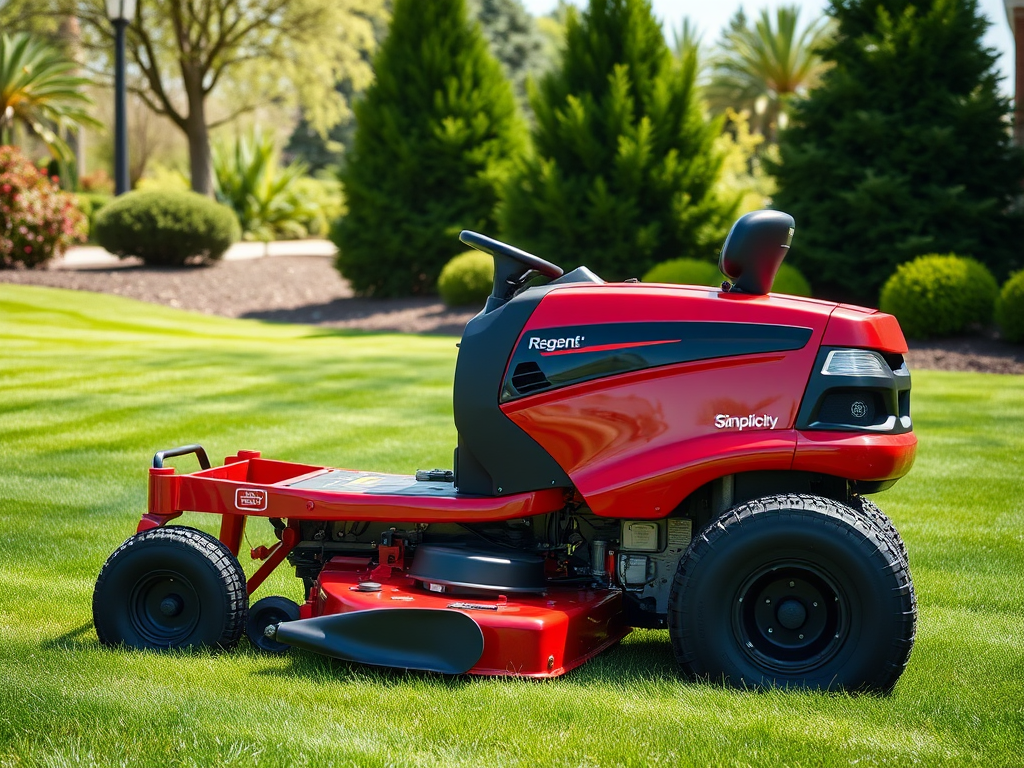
point(226, 565)
point(876, 533)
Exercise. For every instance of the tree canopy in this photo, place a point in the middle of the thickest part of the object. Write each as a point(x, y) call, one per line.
point(181, 51)
point(903, 150)
point(515, 39)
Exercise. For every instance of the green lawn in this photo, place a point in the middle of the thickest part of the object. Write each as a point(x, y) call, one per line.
point(91, 386)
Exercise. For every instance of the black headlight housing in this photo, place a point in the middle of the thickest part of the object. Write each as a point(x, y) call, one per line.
point(857, 390)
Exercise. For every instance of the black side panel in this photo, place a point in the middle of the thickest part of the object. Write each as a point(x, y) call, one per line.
point(495, 457)
point(558, 357)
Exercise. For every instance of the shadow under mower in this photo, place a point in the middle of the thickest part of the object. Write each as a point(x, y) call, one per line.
point(629, 455)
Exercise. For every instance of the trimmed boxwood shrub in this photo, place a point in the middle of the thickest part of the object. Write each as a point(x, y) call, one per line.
point(166, 228)
point(37, 220)
point(791, 281)
point(935, 295)
point(696, 272)
point(1010, 308)
point(466, 279)
point(684, 272)
point(91, 203)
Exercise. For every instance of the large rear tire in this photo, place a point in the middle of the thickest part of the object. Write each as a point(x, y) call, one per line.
point(793, 591)
point(170, 588)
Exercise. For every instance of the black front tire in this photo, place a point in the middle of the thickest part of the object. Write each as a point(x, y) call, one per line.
point(793, 591)
point(170, 588)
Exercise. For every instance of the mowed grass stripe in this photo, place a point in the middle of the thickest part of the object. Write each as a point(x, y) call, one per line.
point(91, 386)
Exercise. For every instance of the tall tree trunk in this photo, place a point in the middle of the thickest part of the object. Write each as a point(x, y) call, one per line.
point(70, 32)
point(200, 162)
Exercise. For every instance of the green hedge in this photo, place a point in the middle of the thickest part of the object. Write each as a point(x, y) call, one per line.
point(935, 295)
point(466, 279)
point(696, 272)
point(684, 272)
point(1010, 308)
point(791, 281)
point(90, 204)
point(166, 228)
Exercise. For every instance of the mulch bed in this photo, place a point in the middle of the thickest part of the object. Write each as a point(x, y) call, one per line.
point(307, 289)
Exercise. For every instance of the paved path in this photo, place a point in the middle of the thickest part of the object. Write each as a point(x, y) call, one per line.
point(94, 256)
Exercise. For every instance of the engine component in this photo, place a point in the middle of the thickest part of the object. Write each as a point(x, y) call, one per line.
point(634, 570)
point(478, 569)
point(598, 549)
point(640, 536)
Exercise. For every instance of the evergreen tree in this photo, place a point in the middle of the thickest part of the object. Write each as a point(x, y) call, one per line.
point(624, 166)
point(435, 136)
point(515, 39)
point(318, 151)
point(903, 150)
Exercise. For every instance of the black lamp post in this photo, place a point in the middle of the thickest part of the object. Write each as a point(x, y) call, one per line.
point(120, 13)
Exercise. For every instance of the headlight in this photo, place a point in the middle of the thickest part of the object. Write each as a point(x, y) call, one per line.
point(855, 362)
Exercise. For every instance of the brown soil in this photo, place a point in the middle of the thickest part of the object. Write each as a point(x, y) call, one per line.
point(307, 289)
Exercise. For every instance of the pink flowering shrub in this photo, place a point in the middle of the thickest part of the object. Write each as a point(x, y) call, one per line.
point(37, 220)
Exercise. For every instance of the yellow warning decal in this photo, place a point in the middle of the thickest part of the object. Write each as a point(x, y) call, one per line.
point(369, 480)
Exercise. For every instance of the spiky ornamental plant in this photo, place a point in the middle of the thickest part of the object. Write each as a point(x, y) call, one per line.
point(264, 195)
point(903, 150)
point(760, 67)
point(39, 90)
point(624, 166)
point(435, 136)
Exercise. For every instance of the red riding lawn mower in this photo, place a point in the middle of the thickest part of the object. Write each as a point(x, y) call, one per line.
point(629, 455)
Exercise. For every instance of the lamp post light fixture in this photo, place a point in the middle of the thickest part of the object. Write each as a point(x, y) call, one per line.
point(120, 13)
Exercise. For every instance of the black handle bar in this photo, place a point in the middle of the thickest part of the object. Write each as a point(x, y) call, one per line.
point(185, 450)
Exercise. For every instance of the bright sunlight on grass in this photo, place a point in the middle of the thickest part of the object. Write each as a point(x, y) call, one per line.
point(91, 386)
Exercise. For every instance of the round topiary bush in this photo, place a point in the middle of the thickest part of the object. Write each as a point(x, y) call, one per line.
point(1010, 308)
point(90, 204)
point(695, 272)
point(685, 272)
point(791, 281)
point(166, 228)
point(37, 220)
point(466, 279)
point(934, 295)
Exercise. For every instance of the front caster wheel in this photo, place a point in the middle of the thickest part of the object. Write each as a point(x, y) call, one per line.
point(170, 588)
point(266, 612)
point(793, 591)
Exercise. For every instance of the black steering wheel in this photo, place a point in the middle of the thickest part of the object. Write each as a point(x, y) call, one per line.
point(497, 248)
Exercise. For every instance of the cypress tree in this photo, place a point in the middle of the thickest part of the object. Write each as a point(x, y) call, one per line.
point(435, 136)
point(624, 166)
point(903, 150)
point(515, 40)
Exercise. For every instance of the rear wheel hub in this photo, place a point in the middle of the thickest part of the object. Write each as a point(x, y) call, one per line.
point(789, 617)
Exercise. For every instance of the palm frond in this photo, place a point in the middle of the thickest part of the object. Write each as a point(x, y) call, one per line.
point(762, 65)
point(39, 89)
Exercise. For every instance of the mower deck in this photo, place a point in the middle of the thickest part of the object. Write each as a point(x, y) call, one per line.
point(524, 635)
